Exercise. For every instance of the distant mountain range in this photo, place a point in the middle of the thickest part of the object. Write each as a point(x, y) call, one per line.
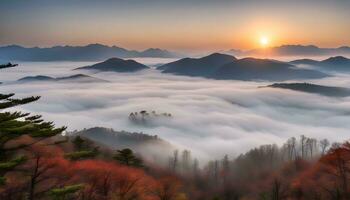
point(91, 52)
point(96, 52)
point(81, 78)
point(220, 66)
point(337, 63)
point(293, 50)
point(116, 65)
point(312, 88)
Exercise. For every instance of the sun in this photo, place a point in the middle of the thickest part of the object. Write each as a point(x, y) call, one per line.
point(264, 41)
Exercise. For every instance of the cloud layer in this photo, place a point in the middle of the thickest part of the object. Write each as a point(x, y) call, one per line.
point(210, 117)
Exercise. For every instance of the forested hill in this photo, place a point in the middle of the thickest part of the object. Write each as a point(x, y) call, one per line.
point(140, 142)
point(313, 88)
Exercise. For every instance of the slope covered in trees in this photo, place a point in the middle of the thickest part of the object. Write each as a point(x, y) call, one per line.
point(313, 88)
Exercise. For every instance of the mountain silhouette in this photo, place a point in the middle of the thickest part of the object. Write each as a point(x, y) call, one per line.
point(116, 65)
point(203, 67)
point(221, 66)
point(312, 88)
point(263, 69)
point(91, 52)
point(300, 50)
point(337, 63)
point(158, 53)
point(291, 50)
point(74, 78)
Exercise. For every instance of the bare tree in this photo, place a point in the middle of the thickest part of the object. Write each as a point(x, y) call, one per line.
point(324, 145)
point(302, 145)
point(174, 161)
point(186, 161)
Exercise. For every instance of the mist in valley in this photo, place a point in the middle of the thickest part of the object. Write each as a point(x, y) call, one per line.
point(210, 118)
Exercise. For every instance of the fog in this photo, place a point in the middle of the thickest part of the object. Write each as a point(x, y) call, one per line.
point(209, 117)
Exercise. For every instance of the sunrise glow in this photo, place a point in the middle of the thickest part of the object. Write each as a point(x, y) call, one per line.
point(264, 41)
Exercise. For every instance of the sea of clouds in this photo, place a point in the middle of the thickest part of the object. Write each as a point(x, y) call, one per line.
point(210, 117)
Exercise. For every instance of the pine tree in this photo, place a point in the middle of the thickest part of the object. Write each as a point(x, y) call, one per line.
point(127, 157)
point(78, 143)
point(16, 124)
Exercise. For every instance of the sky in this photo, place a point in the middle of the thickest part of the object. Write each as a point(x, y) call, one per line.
point(183, 25)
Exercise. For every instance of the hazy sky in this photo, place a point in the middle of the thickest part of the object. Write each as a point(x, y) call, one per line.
point(178, 25)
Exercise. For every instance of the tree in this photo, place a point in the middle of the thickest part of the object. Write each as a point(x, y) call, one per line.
point(324, 145)
point(78, 155)
point(78, 143)
point(44, 170)
point(14, 125)
point(186, 159)
point(108, 180)
point(225, 169)
point(167, 188)
point(337, 165)
point(303, 145)
point(127, 157)
point(174, 161)
point(277, 191)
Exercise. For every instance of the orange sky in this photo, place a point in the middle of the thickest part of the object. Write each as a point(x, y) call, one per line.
point(176, 25)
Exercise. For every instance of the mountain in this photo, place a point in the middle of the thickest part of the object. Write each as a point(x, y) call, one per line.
point(263, 69)
point(204, 66)
point(36, 78)
point(91, 52)
point(148, 145)
point(337, 63)
point(291, 50)
point(234, 52)
point(312, 88)
point(82, 78)
point(304, 62)
point(116, 65)
point(221, 66)
point(158, 53)
point(300, 50)
point(119, 139)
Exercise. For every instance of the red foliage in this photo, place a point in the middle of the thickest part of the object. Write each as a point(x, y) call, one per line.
point(167, 188)
point(46, 168)
point(105, 180)
point(329, 177)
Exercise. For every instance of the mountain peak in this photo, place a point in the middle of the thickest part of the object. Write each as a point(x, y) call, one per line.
point(298, 46)
point(219, 55)
point(116, 65)
point(96, 45)
point(337, 58)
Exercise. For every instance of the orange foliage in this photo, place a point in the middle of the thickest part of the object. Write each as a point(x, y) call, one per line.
point(329, 177)
point(46, 168)
point(105, 180)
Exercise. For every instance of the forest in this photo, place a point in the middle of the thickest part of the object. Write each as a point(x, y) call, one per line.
point(38, 161)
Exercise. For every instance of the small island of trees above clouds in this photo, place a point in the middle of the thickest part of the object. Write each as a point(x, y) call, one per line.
point(145, 118)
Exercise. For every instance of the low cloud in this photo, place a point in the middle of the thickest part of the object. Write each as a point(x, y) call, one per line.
point(210, 117)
